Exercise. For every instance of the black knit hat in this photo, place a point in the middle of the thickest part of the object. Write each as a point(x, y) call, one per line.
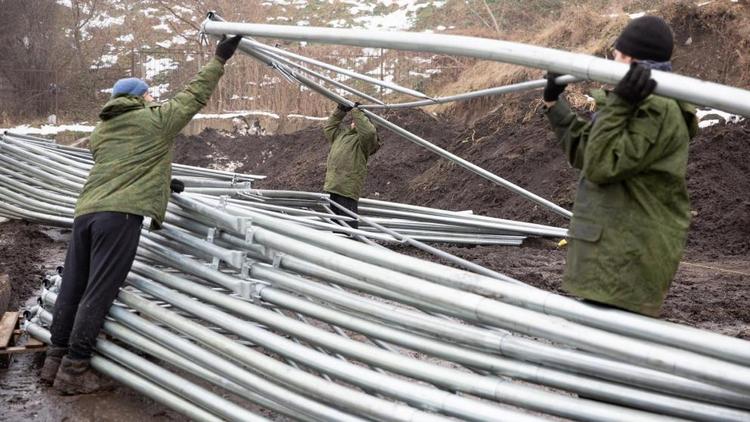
point(646, 38)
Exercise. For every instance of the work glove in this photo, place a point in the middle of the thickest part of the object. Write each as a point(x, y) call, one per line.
point(636, 85)
point(176, 186)
point(345, 108)
point(553, 91)
point(226, 47)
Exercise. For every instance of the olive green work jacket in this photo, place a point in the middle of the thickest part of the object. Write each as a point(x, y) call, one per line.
point(631, 212)
point(346, 168)
point(132, 149)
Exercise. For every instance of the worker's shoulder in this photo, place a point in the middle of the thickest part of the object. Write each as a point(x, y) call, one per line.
point(662, 105)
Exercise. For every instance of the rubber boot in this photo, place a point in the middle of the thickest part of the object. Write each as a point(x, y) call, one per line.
point(76, 376)
point(52, 363)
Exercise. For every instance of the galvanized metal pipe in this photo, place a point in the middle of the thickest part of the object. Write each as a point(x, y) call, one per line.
point(134, 381)
point(343, 397)
point(506, 89)
point(692, 90)
point(418, 395)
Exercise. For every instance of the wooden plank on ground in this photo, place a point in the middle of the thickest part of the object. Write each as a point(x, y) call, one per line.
point(7, 326)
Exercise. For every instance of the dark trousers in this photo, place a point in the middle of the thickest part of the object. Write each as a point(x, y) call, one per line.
point(348, 203)
point(99, 258)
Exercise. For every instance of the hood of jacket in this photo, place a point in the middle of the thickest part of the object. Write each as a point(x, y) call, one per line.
point(121, 105)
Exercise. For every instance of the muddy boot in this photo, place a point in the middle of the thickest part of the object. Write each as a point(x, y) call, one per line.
point(52, 363)
point(76, 376)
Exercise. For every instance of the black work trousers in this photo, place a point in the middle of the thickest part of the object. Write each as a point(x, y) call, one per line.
point(348, 203)
point(99, 258)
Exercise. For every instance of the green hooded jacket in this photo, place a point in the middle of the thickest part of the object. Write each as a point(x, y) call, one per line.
point(132, 149)
point(350, 148)
point(631, 213)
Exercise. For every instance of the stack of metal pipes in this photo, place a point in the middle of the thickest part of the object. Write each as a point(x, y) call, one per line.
point(245, 312)
point(382, 221)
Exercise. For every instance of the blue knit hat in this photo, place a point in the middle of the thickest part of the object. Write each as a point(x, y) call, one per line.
point(129, 86)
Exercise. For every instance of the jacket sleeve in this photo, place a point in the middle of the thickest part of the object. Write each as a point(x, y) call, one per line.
point(623, 141)
point(366, 132)
point(177, 112)
point(572, 131)
point(331, 128)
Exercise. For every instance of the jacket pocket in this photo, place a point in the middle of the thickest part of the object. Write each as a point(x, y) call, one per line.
point(583, 230)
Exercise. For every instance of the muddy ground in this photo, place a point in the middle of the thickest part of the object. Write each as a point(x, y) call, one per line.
point(27, 253)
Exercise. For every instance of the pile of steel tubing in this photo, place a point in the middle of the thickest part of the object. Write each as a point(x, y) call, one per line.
point(275, 313)
point(338, 335)
point(66, 169)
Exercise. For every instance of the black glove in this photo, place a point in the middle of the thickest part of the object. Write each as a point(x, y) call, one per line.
point(176, 186)
point(345, 108)
point(226, 47)
point(636, 85)
point(553, 91)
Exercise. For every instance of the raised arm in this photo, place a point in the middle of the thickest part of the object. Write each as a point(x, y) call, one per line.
point(366, 132)
point(331, 128)
point(177, 112)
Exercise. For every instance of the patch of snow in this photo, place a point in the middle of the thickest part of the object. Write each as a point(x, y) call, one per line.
point(150, 12)
point(402, 18)
point(230, 166)
point(125, 38)
point(156, 66)
point(637, 15)
point(49, 129)
point(104, 21)
point(105, 61)
point(163, 27)
point(709, 117)
point(708, 123)
point(157, 91)
point(231, 115)
point(337, 23)
point(65, 3)
point(300, 116)
point(183, 10)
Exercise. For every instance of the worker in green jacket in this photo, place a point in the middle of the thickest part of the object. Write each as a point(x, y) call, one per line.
point(631, 212)
point(347, 161)
point(130, 180)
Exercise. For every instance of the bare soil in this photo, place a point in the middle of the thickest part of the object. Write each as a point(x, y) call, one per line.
point(27, 253)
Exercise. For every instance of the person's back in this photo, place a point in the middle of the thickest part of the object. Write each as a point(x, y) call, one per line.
point(132, 149)
point(346, 167)
point(130, 180)
point(631, 213)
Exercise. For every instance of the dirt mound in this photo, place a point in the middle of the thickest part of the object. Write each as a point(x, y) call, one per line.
point(20, 246)
point(719, 187)
point(523, 151)
point(298, 160)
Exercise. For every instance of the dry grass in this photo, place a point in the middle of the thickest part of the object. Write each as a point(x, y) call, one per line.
point(583, 31)
point(720, 33)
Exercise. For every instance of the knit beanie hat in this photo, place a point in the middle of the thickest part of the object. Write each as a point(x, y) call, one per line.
point(646, 38)
point(129, 86)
